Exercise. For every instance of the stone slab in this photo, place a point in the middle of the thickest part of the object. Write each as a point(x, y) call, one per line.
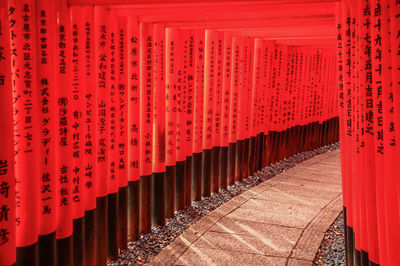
point(275, 213)
point(209, 256)
point(256, 244)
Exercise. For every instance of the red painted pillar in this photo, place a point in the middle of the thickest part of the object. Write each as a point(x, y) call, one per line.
point(180, 123)
point(171, 70)
point(102, 61)
point(210, 52)
point(133, 129)
point(225, 174)
point(45, 26)
point(26, 131)
point(7, 172)
point(158, 210)
point(216, 147)
point(233, 111)
point(89, 152)
point(122, 130)
point(190, 87)
point(146, 123)
point(198, 114)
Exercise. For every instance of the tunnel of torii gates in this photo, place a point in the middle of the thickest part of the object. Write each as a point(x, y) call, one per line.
point(115, 114)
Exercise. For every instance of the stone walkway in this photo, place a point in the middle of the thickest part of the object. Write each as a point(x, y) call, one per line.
point(280, 222)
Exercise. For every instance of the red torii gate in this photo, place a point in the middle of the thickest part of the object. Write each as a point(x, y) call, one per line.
point(257, 19)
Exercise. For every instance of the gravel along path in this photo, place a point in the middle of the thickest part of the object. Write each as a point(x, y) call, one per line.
point(332, 249)
point(148, 246)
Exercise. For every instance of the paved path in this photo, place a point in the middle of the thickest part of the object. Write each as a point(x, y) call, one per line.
point(280, 222)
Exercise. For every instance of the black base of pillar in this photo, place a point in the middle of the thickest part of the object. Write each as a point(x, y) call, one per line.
point(364, 258)
point(188, 181)
point(296, 131)
point(350, 246)
point(282, 145)
point(289, 143)
point(245, 160)
point(267, 149)
point(133, 210)
point(252, 155)
point(197, 173)
point(223, 169)
point(215, 165)
point(158, 200)
point(180, 185)
point(78, 241)
point(231, 164)
point(123, 218)
point(145, 204)
point(170, 174)
point(90, 237)
point(112, 225)
point(257, 153)
point(348, 235)
point(356, 255)
point(275, 146)
point(65, 251)
point(28, 255)
point(239, 160)
point(101, 230)
point(206, 175)
point(261, 147)
point(47, 249)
